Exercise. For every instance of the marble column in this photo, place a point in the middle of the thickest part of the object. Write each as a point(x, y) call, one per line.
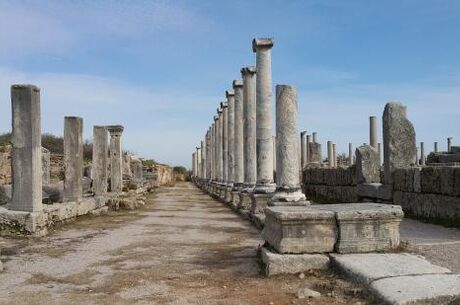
point(330, 154)
point(373, 131)
point(288, 190)
point(230, 95)
point(422, 153)
point(249, 127)
point(435, 147)
point(26, 156)
point(238, 166)
point(208, 154)
point(303, 149)
point(262, 48)
point(350, 153)
point(73, 159)
point(116, 161)
point(100, 161)
point(449, 144)
point(307, 150)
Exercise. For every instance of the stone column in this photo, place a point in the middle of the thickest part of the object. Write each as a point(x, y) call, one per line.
point(334, 155)
point(198, 162)
point(116, 162)
point(193, 165)
point(350, 153)
point(73, 159)
point(288, 191)
point(435, 147)
point(330, 154)
point(262, 48)
point(449, 144)
point(373, 131)
point(215, 131)
point(27, 149)
point(100, 162)
point(220, 158)
point(274, 154)
point(230, 95)
point(138, 172)
point(203, 160)
point(238, 168)
point(422, 153)
point(315, 137)
point(208, 154)
point(46, 163)
point(379, 149)
point(307, 150)
point(249, 127)
point(303, 150)
point(224, 143)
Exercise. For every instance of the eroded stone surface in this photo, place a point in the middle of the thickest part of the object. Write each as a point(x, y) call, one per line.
point(367, 164)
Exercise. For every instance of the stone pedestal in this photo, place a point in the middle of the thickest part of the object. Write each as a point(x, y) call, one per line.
point(245, 201)
point(366, 227)
point(100, 160)
point(291, 229)
point(73, 159)
point(27, 149)
point(116, 162)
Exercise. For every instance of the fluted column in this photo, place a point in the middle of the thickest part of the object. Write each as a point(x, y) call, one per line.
point(262, 48)
point(288, 191)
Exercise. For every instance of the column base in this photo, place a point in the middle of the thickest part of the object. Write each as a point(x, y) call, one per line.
point(235, 200)
point(258, 204)
point(288, 198)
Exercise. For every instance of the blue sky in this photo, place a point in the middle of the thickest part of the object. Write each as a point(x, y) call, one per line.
point(161, 67)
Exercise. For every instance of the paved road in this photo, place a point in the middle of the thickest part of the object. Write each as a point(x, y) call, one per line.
point(181, 248)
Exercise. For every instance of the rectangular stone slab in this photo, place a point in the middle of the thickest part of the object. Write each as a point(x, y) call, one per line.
point(366, 227)
point(293, 229)
point(368, 267)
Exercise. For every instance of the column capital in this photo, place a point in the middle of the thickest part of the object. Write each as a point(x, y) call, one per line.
point(223, 105)
point(262, 43)
point(237, 83)
point(248, 70)
point(216, 117)
point(229, 93)
point(302, 133)
point(115, 129)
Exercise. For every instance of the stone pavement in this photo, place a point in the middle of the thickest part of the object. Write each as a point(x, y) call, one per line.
point(182, 248)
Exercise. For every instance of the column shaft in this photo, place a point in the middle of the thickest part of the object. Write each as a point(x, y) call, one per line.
point(116, 159)
point(230, 134)
point(100, 162)
point(330, 154)
point(373, 131)
point(26, 154)
point(238, 166)
point(249, 126)
point(73, 159)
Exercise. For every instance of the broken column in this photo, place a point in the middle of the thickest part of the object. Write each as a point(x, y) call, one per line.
point(449, 144)
point(350, 153)
point(399, 148)
point(435, 147)
point(314, 136)
point(100, 162)
point(116, 162)
point(367, 165)
point(303, 150)
point(73, 159)
point(422, 153)
point(265, 185)
point(288, 190)
point(26, 149)
point(373, 131)
point(249, 139)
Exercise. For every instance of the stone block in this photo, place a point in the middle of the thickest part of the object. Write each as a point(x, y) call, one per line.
point(235, 200)
point(428, 289)
point(438, 180)
point(366, 268)
point(276, 263)
point(259, 202)
point(366, 227)
point(245, 201)
point(300, 229)
point(377, 191)
point(367, 165)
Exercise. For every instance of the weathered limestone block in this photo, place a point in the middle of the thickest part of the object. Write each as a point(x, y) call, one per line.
point(434, 208)
point(116, 164)
point(5, 164)
point(367, 165)
point(5, 194)
point(407, 179)
point(438, 180)
point(291, 229)
point(100, 160)
point(398, 140)
point(376, 191)
point(315, 153)
point(276, 263)
point(366, 227)
point(73, 158)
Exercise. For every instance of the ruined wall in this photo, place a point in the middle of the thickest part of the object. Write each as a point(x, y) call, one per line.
point(5, 165)
point(164, 174)
point(321, 184)
point(431, 193)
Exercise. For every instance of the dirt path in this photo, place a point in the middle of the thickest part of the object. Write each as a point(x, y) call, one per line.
point(181, 248)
